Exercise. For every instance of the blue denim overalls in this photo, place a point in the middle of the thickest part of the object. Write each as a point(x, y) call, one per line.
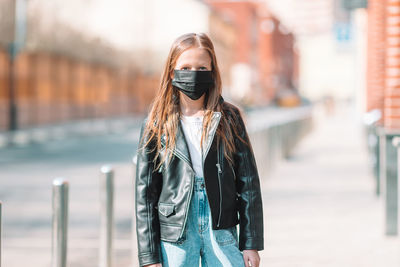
point(217, 248)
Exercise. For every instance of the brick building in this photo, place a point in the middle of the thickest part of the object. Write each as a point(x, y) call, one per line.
point(264, 59)
point(68, 72)
point(383, 68)
point(383, 94)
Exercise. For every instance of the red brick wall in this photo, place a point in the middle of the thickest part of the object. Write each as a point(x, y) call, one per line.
point(391, 102)
point(3, 89)
point(376, 55)
point(53, 89)
point(383, 61)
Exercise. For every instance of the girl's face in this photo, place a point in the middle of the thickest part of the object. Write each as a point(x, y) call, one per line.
point(194, 59)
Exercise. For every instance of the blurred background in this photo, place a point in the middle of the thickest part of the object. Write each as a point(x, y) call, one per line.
point(319, 83)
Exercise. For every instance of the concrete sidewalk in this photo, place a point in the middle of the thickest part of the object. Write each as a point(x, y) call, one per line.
point(70, 129)
point(319, 206)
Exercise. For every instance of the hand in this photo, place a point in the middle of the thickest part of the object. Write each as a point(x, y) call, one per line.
point(153, 265)
point(251, 258)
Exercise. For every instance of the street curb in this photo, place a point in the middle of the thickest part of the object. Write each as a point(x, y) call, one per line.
point(57, 132)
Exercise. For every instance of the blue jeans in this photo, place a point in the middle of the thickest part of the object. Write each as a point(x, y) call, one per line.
point(216, 248)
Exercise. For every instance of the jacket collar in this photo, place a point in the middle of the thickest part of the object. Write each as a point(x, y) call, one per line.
point(181, 149)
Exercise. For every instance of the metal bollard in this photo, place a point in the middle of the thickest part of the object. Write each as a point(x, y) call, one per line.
point(391, 192)
point(60, 223)
point(371, 120)
point(135, 259)
point(396, 144)
point(375, 155)
point(107, 216)
point(0, 231)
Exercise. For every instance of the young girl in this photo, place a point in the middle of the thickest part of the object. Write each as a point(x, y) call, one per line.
point(196, 175)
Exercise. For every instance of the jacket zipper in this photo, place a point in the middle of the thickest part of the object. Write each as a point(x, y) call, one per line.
point(234, 177)
point(187, 206)
point(219, 168)
point(233, 171)
point(219, 184)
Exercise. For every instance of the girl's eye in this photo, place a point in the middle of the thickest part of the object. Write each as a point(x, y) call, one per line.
point(187, 68)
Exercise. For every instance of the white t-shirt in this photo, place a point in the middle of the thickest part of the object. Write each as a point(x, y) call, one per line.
point(192, 128)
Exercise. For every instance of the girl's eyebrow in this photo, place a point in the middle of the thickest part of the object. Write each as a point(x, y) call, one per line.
point(200, 64)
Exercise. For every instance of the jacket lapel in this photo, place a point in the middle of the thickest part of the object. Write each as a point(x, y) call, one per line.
point(181, 147)
point(211, 133)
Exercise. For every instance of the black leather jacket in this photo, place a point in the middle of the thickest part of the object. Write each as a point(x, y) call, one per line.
point(163, 196)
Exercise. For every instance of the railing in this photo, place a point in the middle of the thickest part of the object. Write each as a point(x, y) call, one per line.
point(275, 138)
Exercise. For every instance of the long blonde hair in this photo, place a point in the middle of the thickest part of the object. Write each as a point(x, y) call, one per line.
point(165, 111)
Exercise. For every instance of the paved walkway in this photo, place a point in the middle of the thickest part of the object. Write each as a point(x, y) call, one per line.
point(320, 208)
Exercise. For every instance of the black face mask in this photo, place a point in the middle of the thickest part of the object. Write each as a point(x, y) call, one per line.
point(193, 83)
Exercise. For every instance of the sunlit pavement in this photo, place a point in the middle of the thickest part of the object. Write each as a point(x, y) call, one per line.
point(26, 186)
point(319, 206)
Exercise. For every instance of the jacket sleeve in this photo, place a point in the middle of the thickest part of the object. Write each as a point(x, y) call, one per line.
point(146, 198)
point(249, 193)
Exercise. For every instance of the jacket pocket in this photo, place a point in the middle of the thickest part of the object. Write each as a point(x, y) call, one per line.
point(166, 209)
